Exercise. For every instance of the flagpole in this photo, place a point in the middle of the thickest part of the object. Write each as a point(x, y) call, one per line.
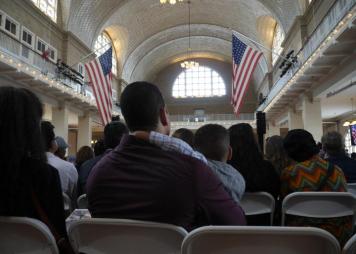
point(273, 52)
point(86, 56)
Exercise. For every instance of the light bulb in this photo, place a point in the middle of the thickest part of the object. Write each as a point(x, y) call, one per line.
point(347, 123)
point(353, 122)
point(172, 1)
point(163, 1)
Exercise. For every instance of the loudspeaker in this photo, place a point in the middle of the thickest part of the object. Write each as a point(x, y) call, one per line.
point(261, 122)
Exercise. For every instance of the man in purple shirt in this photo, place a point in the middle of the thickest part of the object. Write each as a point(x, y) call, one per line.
point(139, 180)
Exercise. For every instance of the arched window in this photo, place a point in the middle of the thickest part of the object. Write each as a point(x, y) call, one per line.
point(198, 82)
point(278, 38)
point(102, 44)
point(48, 7)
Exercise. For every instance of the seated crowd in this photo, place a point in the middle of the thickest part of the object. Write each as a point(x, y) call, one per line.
point(139, 172)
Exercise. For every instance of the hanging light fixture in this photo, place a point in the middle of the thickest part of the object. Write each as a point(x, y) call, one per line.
point(189, 64)
point(170, 1)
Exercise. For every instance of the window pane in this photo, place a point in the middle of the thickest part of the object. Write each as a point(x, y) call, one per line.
point(277, 42)
point(198, 82)
point(102, 44)
point(48, 7)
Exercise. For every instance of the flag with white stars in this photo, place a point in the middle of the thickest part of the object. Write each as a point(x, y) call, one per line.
point(99, 72)
point(244, 62)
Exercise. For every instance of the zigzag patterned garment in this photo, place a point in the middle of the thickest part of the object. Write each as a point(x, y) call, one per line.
point(307, 176)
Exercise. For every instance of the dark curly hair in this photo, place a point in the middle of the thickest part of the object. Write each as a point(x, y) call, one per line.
point(300, 145)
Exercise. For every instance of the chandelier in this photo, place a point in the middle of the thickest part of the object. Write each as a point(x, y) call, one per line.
point(189, 64)
point(169, 1)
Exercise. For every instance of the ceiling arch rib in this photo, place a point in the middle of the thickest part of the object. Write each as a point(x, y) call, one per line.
point(179, 33)
point(159, 57)
point(88, 18)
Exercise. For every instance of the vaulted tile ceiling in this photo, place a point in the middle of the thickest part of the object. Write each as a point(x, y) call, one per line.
point(149, 36)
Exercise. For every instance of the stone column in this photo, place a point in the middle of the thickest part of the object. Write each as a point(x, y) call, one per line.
point(272, 129)
point(295, 119)
point(84, 130)
point(60, 121)
point(312, 117)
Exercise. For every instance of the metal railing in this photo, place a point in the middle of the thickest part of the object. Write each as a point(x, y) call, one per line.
point(335, 14)
point(212, 117)
point(27, 55)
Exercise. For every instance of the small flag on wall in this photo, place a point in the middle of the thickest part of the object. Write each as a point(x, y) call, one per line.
point(100, 77)
point(244, 62)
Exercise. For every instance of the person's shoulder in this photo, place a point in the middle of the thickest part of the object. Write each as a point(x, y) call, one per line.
point(187, 160)
point(91, 162)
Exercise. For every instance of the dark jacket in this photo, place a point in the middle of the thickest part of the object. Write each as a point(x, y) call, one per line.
point(347, 165)
point(44, 181)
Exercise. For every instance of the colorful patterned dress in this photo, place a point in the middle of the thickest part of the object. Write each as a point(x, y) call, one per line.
point(308, 176)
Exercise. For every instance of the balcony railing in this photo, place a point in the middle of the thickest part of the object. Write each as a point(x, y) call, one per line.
point(212, 117)
point(28, 56)
point(336, 13)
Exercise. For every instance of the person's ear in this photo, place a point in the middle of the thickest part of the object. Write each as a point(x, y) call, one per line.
point(229, 155)
point(163, 115)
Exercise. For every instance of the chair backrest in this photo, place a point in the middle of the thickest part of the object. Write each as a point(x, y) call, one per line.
point(67, 204)
point(350, 246)
point(351, 187)
point(256, 203)
point(319, 205)
point(82, 201)
point(257, 240)
point(94, 236)
point(25, 235)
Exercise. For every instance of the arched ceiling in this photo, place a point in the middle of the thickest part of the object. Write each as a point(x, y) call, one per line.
point(148, 36)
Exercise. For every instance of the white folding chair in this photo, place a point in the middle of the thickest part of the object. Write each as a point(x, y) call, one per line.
point(351, 187)
point(256, 203)
point(350, 246)
point(94, 236)
point(257, 240)
point(82, 202)
point(67, 202)
point(319, 205)
point(23, 235)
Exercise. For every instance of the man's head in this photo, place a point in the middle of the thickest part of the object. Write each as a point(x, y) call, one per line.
point(185, 135)
point(300, 145)
point(113, 132)
point(213, 141)
point(48, 136)
point(333, 143)
point(143, 108)
point(99, 147)
point(62, 148)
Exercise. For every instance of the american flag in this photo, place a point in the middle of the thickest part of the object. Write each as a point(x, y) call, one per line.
point(99, 72)
point(245, 59)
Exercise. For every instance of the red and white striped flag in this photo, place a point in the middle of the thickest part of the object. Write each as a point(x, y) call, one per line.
point(245, 59)
point(99, 72)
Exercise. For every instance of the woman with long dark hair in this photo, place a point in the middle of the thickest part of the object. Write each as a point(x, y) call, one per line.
point(84, 154)
point(29, 187)
point(276, 154)
point(247, 158)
